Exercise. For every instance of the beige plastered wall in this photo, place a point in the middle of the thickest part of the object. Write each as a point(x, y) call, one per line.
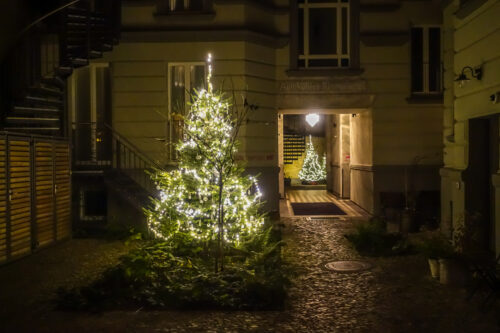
point(406, 135)
point(469, 41)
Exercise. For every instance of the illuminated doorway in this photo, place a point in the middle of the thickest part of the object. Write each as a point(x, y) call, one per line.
point(331, 138)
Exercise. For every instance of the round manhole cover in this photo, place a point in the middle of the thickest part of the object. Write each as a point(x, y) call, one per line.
point(348, 266)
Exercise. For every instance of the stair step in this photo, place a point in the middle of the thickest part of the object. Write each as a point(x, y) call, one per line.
point(95, 54)
point(77, 10)
point(44, 101)
point(98, 18)
point(80, 44)
point(64, 71)
point(76, 40)
point(79, 26)
point(80, 52)
point(82, 18)
point(107, 47)
point(45, 91)
point(79, 62)
point(20, 110)
point(29, 120)
point(54, 82)
point(77, 18)
point(76, 33)
point(32, 129)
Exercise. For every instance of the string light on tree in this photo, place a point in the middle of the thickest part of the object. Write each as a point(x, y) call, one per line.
point(208, 198)
point(312, 170)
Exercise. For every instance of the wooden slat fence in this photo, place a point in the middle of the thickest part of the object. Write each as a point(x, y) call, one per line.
point(35, 186)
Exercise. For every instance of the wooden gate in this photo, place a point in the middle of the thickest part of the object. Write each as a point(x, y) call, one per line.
point(34, 194)
point(19, 195)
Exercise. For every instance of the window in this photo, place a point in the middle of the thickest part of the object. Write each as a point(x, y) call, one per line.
point(324, 30)
point(426, 60)
point(186, 5)
point(93, 204)
point(183, 80)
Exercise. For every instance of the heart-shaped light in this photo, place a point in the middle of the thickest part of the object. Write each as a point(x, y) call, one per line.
point(312, 119)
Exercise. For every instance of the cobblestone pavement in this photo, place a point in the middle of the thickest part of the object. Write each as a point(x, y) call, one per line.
point(396, 295)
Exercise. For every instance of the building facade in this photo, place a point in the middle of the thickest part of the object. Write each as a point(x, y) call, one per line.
point(470, 188)
point(374, 68)
point(400, 131)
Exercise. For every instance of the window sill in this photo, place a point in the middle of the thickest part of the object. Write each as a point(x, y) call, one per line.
point(324, 72)
point(182, 15)
point(425, 99)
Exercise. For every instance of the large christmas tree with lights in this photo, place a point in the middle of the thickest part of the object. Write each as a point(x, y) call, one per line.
point(312, 170)
point(207, 199)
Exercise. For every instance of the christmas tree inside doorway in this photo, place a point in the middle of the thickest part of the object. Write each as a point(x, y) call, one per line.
point(312, 171)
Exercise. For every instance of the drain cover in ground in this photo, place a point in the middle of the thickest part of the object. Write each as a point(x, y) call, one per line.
point(348, 266)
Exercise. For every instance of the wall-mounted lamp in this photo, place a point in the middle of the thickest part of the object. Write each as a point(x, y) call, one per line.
point(476, 73)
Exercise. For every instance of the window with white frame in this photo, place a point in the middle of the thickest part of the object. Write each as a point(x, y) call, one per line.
point(426, 73)
point(183, 80)
point(323, 33)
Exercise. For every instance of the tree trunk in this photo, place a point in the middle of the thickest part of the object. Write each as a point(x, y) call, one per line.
point(220, 250)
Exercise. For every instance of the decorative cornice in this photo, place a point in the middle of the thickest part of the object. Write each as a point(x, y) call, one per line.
point(142, 34)
point(324, 72)
point(379, 7)
point(425, 99)
point(384, 38)
point(394, 167)
point(263, 4)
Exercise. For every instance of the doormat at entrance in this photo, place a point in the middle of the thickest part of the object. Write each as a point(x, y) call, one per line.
point(316, 208)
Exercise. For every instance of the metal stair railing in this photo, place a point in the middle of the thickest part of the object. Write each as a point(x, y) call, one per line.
point(129, 160)
point(98, 146)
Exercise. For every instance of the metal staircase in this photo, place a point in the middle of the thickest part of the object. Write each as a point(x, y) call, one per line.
point(45, 54)
point(33, 99)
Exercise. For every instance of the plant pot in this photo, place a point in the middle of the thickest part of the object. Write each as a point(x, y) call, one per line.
point(452, 272)
point(406, 222)
point(434, 267)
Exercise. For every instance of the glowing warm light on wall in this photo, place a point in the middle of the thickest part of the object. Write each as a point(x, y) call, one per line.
point(312, 119)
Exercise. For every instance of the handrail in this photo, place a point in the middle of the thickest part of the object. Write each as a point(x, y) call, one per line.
point(31, 135)
point(42, 18)
point(133, 147)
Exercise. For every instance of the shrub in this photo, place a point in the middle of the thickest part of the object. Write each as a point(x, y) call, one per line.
point(435, 247)
point(160, 275)
point(371, 239)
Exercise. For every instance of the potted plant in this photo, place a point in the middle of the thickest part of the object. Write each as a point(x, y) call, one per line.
point(436, 248)
point(453, 270)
